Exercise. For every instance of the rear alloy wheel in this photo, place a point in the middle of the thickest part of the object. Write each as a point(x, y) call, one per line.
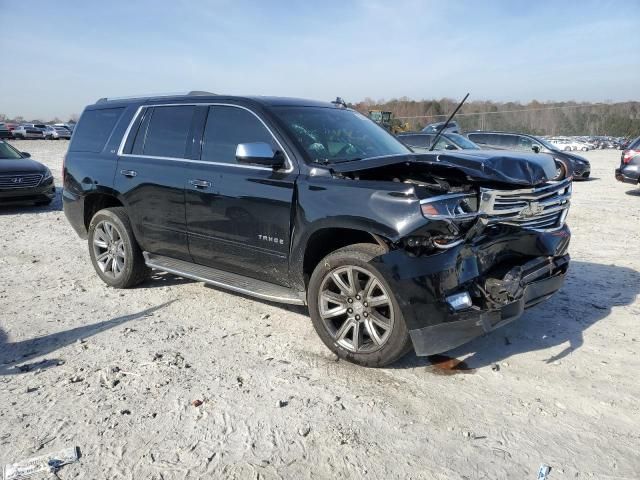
point(354, 310)
point(115, 254)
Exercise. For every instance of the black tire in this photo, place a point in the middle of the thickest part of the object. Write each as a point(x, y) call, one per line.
point(134, 270)
point(397, 343)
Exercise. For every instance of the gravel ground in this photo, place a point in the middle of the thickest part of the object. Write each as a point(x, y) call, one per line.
point(116, 372)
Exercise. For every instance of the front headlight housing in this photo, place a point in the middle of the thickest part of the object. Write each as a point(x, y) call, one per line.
point(455, 206)
point(47, 174)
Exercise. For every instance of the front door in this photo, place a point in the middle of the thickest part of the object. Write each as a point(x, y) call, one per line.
point(151, 175)
point(238, 215)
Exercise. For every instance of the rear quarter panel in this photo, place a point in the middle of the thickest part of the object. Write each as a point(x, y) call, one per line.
point(87, 173)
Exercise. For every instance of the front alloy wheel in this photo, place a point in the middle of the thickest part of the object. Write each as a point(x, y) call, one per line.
point(354, 310)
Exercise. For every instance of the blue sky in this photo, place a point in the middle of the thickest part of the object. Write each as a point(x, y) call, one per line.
point(69, 54)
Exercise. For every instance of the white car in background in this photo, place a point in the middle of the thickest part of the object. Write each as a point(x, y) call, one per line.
point(568, 144)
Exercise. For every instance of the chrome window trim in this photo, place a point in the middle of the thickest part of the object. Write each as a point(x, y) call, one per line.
point(141, 108)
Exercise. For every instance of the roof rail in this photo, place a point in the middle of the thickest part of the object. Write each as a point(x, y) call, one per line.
point(155, 95)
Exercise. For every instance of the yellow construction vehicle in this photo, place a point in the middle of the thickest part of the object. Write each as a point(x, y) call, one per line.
point(388, 121)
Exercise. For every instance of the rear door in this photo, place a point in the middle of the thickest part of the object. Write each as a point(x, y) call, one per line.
point(239, 215)
point(151, 175)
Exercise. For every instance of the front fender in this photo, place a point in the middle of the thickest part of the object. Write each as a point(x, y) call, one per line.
point(388, 209)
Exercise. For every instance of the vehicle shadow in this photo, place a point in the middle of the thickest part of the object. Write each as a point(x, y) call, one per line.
point(159, 279)
point(29, 207)
point(634, 193)
point(590, 292)
point(12, 355)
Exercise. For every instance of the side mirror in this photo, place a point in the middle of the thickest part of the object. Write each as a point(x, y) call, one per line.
point(536, 148)
point(26, 154)
point(259, 153)
point(450, 146)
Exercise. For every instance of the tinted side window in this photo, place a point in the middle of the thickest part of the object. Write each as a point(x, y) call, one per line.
point(226, 127)
point(509, 141)
point(525, 144)
point(168, 131)
point(416, 140)
point(94, 129)
point(482, 138)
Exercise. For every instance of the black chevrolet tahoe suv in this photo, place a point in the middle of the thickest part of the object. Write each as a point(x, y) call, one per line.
point(312, 203)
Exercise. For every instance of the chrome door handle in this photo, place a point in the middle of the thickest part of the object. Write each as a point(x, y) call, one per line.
point(200, 183)
point(129, 173)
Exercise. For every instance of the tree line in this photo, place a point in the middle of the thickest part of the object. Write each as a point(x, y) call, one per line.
point(20, 119)
point(539, 118)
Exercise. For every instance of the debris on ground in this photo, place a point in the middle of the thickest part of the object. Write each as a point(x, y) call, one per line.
point(196, 403)
point(543, 472)
point(45, 463)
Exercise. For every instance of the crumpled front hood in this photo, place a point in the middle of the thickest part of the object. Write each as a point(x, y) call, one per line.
point(478, 165)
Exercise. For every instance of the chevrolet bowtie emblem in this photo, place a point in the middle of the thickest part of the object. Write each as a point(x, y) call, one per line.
point(531, 210)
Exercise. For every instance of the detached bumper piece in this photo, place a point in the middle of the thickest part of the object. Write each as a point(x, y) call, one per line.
point(505, 298)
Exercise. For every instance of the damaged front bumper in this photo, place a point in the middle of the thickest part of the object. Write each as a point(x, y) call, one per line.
point(501, 274)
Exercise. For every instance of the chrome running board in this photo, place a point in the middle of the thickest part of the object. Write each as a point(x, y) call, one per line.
point(227, 280)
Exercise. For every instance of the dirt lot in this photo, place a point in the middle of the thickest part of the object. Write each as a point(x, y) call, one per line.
point(115, 372)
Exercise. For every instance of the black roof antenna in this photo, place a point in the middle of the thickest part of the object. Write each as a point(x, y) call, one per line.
point(443, 128)
point(339, 102)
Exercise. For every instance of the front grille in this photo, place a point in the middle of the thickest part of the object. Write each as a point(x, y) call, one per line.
point(19, 181)
point(542, 208)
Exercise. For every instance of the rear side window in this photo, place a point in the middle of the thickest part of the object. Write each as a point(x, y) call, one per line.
point(94, 129)
point(168, 131)
point(227, 127)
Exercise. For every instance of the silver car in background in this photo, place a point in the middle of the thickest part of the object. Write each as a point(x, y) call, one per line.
point(22, 132)
point(55, 132)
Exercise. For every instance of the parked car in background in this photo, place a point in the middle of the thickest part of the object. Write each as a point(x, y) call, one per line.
point(11, 127)
point(53, 132)
point(23, 132)
point(40, 126)
point(575, 165)
point(68, 126)
point(23, 179)
point(452, 127)
point(446, 141)
point(568, 144)
point(307, 202)
point(629, 170)
point(4, 131)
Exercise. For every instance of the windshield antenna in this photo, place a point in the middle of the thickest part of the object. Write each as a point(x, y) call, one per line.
point(442, 129)
point(339, 102)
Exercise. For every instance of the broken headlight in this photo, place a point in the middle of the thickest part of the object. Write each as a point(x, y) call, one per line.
point(455, 206)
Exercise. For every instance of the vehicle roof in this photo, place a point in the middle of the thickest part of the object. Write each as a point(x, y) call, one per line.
point(506, 133)
point(206, 97)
